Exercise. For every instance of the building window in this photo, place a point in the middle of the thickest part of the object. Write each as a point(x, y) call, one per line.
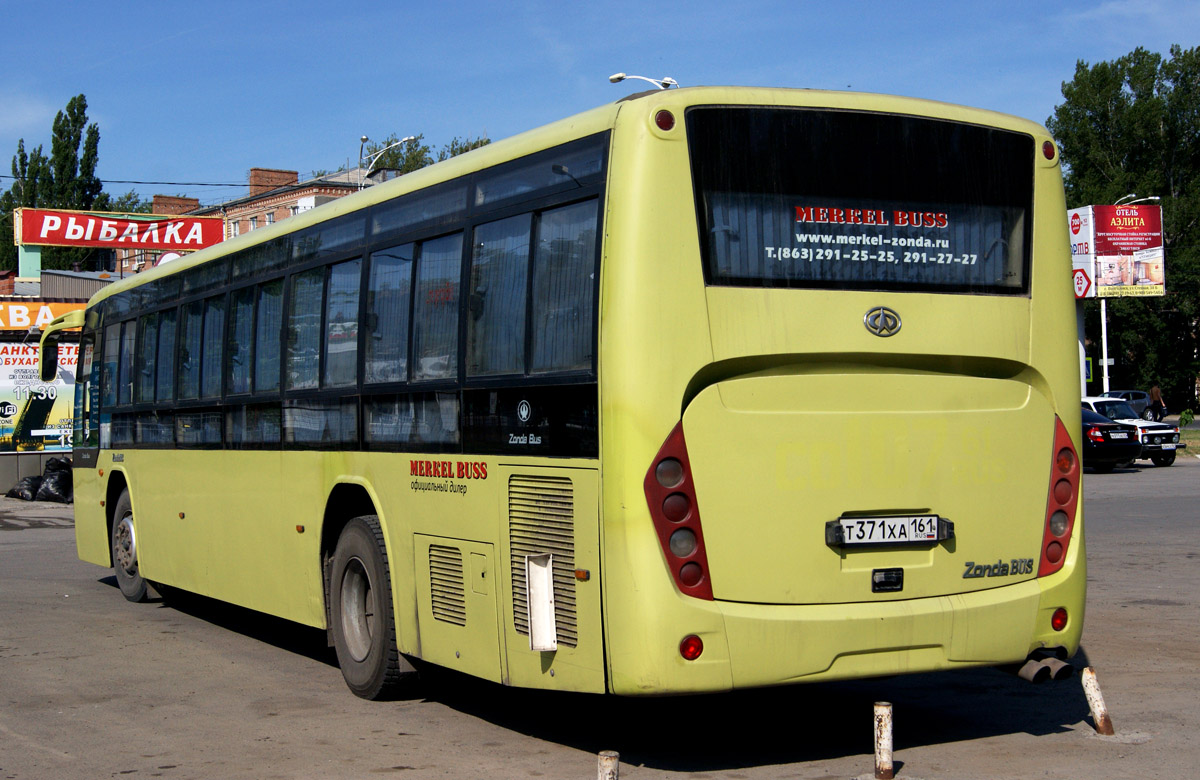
point(269, 218)
point(253, 223)
point(234, 228)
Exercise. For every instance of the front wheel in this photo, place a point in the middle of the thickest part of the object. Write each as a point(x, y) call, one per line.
point(360, 613)
point(1148, 414)
point(125, 552)
point(1163, 458)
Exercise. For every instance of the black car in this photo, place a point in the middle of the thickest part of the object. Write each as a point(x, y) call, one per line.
point(1107, 443)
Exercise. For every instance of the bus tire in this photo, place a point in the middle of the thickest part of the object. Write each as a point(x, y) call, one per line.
point(1163, 458)
point(123, 543)
point(361, 615)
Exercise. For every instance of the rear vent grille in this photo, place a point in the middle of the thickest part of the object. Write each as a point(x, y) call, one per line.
point(541, 519)
point(447, 585)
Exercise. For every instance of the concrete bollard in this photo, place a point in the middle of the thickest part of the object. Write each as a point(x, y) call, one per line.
point(608, 765)
point(883, 741)
point(1091, 689)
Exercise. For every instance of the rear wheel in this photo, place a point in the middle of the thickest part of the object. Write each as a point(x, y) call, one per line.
point(1163, 458)
point(360, 613)
point(125, 552)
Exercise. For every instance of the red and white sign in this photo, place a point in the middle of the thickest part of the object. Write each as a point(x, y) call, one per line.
point(1082, 283)
point(1120, 249)
point(103, 229)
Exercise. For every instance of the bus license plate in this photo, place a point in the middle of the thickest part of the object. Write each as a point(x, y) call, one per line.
point(903, 529)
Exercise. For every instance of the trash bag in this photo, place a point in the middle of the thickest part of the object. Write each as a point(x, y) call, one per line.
point(57, 464)
point(56, 486)
point(26, 489)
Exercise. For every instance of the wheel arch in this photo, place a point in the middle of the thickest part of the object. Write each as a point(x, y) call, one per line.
point(117, 483)
point(346, 501)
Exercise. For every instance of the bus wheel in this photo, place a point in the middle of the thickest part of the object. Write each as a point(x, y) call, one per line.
point(124, 552)
point(360, 601)
point(1163, 459)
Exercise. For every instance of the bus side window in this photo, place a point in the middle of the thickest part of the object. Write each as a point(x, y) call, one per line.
point(214, 344)
point(147, 350)
point(435, 309)
point(165, 364)
point(304, 329)
point(496, 317)
point(564, 289)
point(341, 324)
point(189, 350)
point(108, 375)
point(241, 342)
point(389, 294)
point(267, 324)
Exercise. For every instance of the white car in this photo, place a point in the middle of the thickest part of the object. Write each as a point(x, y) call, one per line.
point(1160, 441)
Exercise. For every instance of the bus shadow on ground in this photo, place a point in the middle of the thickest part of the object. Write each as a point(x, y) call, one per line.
point(718, 732)
point(796, 724)
point(277, 632)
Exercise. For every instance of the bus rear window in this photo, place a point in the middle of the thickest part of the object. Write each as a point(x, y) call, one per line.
point(861, 201)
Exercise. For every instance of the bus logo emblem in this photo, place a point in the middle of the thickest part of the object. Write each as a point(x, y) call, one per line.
point(523, 411)
point(882, 321)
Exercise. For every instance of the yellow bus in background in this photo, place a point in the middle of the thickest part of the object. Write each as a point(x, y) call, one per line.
point(705, 389)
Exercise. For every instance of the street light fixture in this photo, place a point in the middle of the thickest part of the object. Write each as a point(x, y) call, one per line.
point(666, 82)
point(364, 173)
point(1131, 198)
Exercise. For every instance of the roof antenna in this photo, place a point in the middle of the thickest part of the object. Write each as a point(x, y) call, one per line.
point(666, 82)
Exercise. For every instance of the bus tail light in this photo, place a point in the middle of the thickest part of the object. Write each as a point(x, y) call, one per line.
point(1061, 501)
point(671, 496)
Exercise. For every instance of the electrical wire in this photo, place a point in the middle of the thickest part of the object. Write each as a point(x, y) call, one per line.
point(163, 183)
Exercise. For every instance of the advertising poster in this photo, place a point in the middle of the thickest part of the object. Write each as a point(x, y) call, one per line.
point(35, 416)
point(1117, 251)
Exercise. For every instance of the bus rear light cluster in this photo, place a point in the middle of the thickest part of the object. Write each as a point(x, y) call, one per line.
point(671, 497)
point(1061, 501)
point(1058, 621)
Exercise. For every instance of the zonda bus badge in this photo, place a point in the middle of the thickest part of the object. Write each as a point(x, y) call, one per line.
point(882, 321)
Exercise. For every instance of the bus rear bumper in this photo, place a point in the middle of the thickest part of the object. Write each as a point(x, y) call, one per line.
point(757, 645)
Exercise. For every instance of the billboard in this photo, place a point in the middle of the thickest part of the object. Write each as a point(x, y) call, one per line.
point(35, 416)
point(1117, 251)
point(45, 227)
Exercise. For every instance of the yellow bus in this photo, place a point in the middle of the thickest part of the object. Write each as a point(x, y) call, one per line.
point(705, 389)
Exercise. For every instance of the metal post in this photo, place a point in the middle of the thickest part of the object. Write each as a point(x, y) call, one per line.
point(1091, 689)
point(608, 767)
point(1104, 339)
point(883, 741)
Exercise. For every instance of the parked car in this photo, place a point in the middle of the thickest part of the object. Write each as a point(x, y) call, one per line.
point(1139, 400)
point(1107, 443)
point(1159, 440)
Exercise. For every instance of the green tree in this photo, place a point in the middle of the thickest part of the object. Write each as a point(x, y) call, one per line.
point(415, 154)
point(459, 146)
point(64, 180)
point(404, 157)
point(1132, 126)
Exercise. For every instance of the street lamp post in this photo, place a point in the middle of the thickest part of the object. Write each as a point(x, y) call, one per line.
point(364, 173)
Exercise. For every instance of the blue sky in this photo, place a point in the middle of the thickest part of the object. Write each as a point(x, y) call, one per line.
point(202, 92)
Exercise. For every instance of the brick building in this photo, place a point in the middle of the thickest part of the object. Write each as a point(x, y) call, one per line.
point(277, 194)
